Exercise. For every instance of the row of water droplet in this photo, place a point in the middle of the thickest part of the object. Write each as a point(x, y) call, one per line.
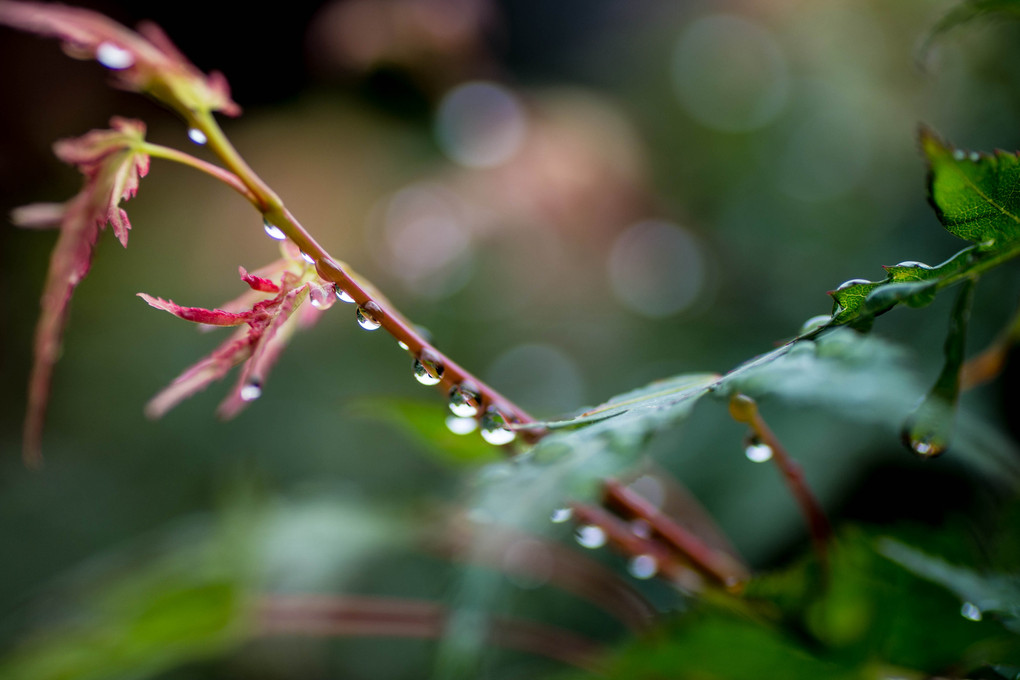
point(592, 536)
point(465, 402)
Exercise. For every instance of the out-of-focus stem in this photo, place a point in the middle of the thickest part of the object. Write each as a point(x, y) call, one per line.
point(225, 176)
point(744, 409)
point(989, 363)
point(330, 616)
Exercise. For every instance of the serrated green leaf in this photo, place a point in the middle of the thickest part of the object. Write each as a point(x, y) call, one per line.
point(974, 195)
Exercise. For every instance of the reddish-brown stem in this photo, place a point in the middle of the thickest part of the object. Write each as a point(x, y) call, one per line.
point(274, 212)
point(745, 410)
point(721, 567)
point(534, 557)
point(328, 616)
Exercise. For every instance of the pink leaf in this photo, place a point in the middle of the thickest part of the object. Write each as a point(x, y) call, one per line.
point(69, 263)
point(270, 344)
point(236, 349)
point(146, 62)
point(257, 282)
point(213, 317)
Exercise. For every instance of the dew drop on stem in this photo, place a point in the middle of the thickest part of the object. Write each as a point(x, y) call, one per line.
point(561, 515)
point(428, 370)
point(590, 536)
point(970, 611)
point(367, 317)
point(758, 452)
point(464, 400)
point(494, 428)
point(643, 566)
point(197, 136)
point(273, 231)
point(307, 258)
point(114, 57)
point(851, 282)
point(342, 295)
point(913, 264)
point(402, 345)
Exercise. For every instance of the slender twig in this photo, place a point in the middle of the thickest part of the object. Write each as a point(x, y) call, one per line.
point(744, 409)
point(534, 557)
point(275, 213)
point(225, 176)
point(721, 567)
point(332, 616)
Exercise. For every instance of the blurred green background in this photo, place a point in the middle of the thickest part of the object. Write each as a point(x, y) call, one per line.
point(574, 197)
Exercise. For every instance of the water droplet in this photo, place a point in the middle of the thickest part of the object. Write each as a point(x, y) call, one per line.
point(924, 446)
point(402, 345)
point(342, 295)
point(561, 515)
point(464, 400)
point(815, 323)
point(273, 231)
point(758, 452)
point(366, 317)
point(307, 258)
point(590, 536)
point(197, 136)
point(461, 425)
point(251, 392)
point(641, 528)
point(851, 282)
point(494, 428)
point(959, 154)
point(321, 297)
point(975, 156)
point(113, 57)
point(428, 370)
point(913, 264)
point(970, 611)
point(643, 566)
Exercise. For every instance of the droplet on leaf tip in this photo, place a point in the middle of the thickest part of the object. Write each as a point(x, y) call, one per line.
point(197, 136)
point(913, 264)
point(114, 57)
point(970, 611)
point(251, 392)
point(959, 154)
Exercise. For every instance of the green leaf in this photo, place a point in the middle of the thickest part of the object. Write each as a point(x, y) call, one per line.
point(968, 11)
point(974, 194)
point(930, 426)
point(988, 593)
point(975, 197)
point(420, 420)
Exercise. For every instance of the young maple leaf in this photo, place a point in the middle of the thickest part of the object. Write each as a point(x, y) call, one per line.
point(143, 62)
point(269, 321)
point(112, 166)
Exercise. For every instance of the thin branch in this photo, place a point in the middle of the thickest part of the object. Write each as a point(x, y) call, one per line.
point(725, 569)
point(744, 409)
point(225, 176)
point(331, 616)
point(274, 211)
